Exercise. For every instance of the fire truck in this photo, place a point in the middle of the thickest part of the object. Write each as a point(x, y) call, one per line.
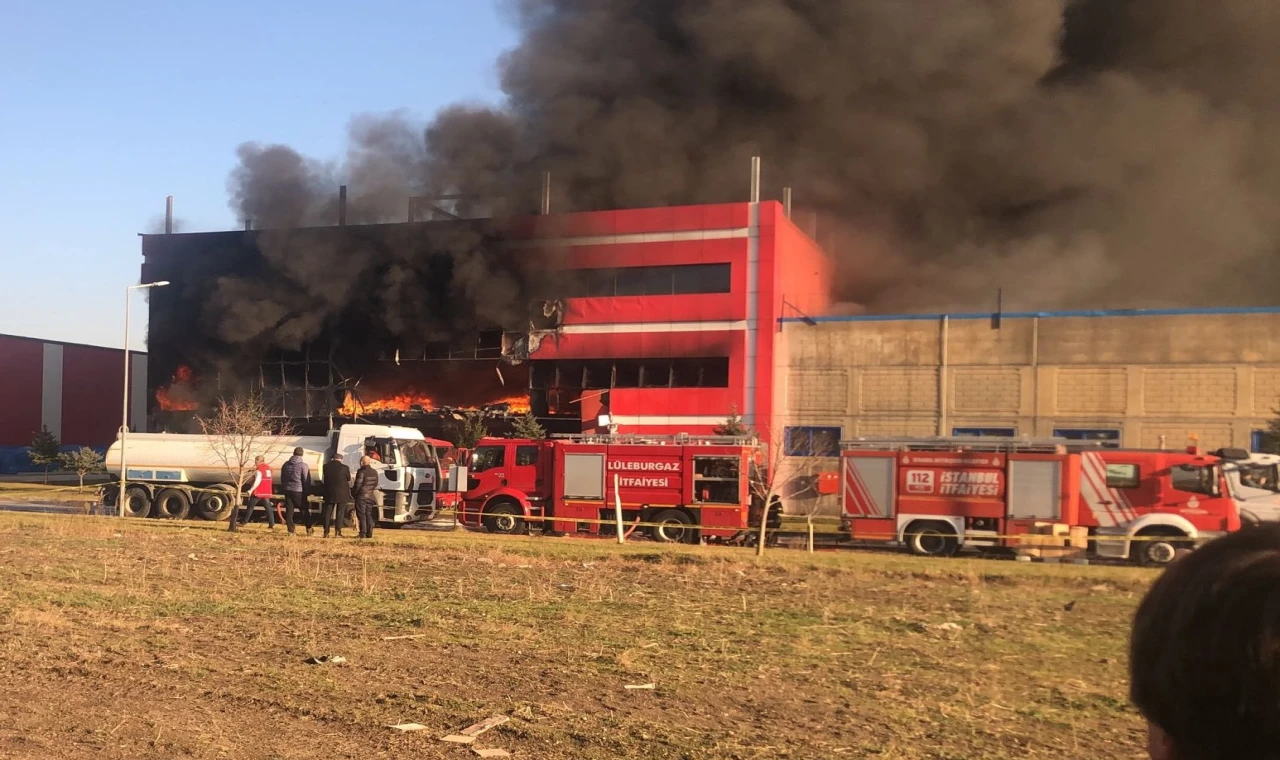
point(938, 495)
point(572, 484)
point(1254, 485)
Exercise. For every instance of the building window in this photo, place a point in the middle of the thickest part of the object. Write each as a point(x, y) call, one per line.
point(984, 432)
point(687, 279)
point(1256, 440)
point(599, 374)
point(1107, 438)
point(812, 441)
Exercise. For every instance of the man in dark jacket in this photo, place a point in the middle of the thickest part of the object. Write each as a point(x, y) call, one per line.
point(365, 492)
point(337, 493)
point(295, 481)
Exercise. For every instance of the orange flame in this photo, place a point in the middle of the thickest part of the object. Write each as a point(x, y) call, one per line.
point(182, 376)
point(405, 402)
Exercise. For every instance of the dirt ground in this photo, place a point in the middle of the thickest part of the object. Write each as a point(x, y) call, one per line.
point(145, 639)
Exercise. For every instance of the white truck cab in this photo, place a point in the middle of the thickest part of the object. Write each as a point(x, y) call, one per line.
point(410, 474)
point(1255, 484)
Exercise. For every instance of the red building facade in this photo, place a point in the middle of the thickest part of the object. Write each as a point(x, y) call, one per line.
point(674, 315)
point(72, 389)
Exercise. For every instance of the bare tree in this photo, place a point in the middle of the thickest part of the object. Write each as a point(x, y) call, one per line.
point(787, 471)
point(239, 431)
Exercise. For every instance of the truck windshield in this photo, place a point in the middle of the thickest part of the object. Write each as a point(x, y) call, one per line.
point(447, 455)
point(487, 458)
point(415, 453)
point(1261, 476)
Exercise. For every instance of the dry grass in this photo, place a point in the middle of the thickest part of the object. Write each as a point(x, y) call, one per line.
point(153, 639)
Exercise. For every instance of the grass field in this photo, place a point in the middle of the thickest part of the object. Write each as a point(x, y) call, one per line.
point(162, 640)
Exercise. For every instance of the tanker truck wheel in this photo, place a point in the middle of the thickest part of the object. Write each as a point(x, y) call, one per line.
point(504, 518)
point(172, 504)
point(216, 503)
point(137, 502)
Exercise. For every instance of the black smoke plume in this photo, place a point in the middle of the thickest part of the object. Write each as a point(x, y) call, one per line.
point(1095, 153)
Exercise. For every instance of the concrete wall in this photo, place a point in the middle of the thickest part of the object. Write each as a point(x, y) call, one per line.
point(1158, 378)
point(1211, 374)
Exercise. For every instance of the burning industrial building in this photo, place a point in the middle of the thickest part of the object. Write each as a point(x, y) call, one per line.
point(1065, 150)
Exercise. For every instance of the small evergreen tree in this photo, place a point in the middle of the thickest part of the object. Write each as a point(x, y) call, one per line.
point(472, 429)
point(527, 426)
point(44, 450)
point(733, 425)
point(82, 462)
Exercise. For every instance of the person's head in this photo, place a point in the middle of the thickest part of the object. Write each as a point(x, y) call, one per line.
point(335, 456)
point(297, 452)
point(1204, 656)
point(259, 459)
point(365, 461)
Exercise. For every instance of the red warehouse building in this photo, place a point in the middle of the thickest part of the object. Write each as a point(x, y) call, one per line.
point(72, 389)
point(673, 315)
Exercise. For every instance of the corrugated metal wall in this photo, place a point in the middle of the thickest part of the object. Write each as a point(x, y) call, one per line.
point(72, 389)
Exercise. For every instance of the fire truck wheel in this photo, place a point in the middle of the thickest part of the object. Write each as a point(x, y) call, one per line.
point(672, 528)
point(932, 539)
point(137, 502)
point(1158, 547)
point(172, 504)
point(215, 504)
point(504, 517)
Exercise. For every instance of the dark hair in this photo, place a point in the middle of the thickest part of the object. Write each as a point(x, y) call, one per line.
point(297, 452)
point(1204, 657)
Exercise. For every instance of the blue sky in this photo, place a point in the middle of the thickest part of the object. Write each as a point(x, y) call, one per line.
point(105, 110)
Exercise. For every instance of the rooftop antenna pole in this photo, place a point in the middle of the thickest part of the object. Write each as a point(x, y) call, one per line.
point(545, 208)
point(342, 205)
point(755, 179)
point(995, 318)
point(168, 215)
point(786, 201)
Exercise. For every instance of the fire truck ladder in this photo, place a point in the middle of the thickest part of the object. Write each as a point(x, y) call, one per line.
point(678, 439)
point(1008, 445)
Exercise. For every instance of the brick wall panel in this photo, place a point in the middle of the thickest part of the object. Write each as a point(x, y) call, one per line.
point(1091, 391)
point(1189, 391)
point(982, 390)
point(1266, 391)
point(897, 427)
point(820, 391)
point(899, 390)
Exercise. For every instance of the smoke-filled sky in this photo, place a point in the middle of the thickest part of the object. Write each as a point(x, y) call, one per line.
point(1096, 153)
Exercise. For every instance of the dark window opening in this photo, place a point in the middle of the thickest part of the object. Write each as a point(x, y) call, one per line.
point(984, 432)
point(685, 279)
point(600, 374)
point(1107, 438)
point(812, 441)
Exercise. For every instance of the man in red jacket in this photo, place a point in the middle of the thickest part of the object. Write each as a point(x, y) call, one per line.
point(259, 494)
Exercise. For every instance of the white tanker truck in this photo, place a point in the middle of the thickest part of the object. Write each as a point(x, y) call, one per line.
point(175, 476)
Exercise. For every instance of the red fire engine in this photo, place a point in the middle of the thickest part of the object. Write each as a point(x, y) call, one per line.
point(675, 482)
point(936, 495)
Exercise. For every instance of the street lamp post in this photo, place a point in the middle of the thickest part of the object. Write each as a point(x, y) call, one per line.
point(124, 415)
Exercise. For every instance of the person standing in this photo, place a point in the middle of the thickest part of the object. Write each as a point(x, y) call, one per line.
point(295, 481)
point(337, 493)
point(260, 491)
point(365, 490)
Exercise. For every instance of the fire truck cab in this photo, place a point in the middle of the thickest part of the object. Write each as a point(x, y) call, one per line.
point(685, 487)
point(937, 495)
